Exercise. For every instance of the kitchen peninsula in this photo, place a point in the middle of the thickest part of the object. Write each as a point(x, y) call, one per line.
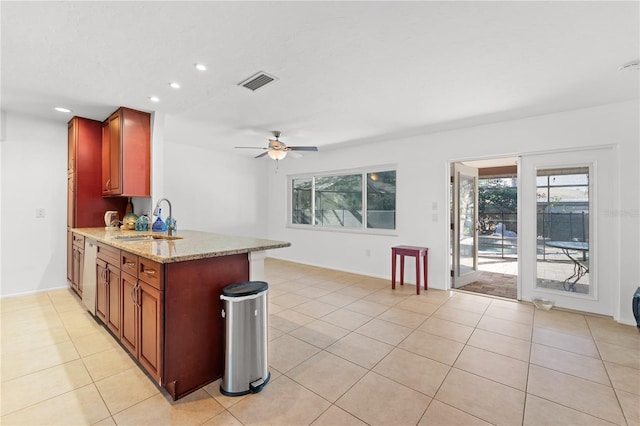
point(160, 297)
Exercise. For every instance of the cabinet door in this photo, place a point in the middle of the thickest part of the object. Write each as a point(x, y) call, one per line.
point(70, 257)
point(111, 156)
point(75, 269)
point(150, 304)
point(71, 200)
point(80, 270)
point(106, 157)
point(71, 145)
point(78, 264)
point(116, 153)
point(113, 300)
point(102, 295)
point(129, 327)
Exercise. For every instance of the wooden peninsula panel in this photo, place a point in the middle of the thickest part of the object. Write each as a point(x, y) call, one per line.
point(194, 327)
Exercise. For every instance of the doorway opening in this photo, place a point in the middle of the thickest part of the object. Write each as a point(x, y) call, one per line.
point(491, 244)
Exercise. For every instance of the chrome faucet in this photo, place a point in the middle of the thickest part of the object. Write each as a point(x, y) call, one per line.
point(156, 212)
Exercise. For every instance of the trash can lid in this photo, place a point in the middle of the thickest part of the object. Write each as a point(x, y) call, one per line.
point(246, 288)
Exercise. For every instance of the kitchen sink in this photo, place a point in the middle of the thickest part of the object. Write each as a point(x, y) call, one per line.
point(145, 237)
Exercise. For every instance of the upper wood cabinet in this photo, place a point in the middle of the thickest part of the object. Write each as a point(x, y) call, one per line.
point(85, 203)
point(126, 154)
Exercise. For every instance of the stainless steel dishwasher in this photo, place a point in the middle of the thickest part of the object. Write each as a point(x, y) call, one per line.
point(89, 281)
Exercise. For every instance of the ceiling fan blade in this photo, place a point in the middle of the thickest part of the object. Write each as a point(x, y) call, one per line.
point(261, 155)
point(251, 147)
point(302, 148)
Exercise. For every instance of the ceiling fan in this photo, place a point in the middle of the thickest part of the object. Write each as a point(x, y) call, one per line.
point(277, 150)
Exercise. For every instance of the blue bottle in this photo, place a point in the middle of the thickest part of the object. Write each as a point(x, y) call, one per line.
point(159, 225)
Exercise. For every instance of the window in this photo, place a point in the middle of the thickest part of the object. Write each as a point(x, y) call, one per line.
point(363, 199)
point(563, 229)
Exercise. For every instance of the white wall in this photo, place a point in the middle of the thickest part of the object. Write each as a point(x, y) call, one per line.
point(215, 192)
point(422, 180)
point(34, 175)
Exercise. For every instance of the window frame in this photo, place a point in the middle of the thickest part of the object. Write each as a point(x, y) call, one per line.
point(363, 229)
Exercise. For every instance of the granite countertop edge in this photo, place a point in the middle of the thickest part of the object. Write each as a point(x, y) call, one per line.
point(192, 245)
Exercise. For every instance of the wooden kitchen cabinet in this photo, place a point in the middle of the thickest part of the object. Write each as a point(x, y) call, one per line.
point(69, 255)
point(141, 311)
point(85, 204)
point(108, 291)
point(170, 315)
point(77, 260)
point(129, 337)
point(126, 154)
point(169, 300)
point(150, 328)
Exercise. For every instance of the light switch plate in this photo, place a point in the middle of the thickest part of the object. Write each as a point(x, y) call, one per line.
point(40, 212)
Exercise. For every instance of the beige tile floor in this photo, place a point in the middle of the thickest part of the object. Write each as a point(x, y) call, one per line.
point(344, 350)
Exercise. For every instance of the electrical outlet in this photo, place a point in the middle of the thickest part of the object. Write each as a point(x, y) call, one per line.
point(40, 212)
point(367, 252)
point(434, 217)
point(434, 206)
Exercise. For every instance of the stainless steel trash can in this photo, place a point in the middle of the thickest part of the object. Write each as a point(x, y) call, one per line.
point(244, 308)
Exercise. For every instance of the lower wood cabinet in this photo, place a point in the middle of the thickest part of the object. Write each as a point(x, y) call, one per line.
point(149, 328)
point(168, 315)
point(141, 322)
point(129, 337)
point(108, 288)
point(77, 262)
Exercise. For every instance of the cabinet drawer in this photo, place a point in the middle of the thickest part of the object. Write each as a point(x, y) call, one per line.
point(129, 263)
point(109, 254)
point(151, 272)
point(78, 240)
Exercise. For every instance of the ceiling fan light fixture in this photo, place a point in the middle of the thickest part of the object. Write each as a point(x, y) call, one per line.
point(276, 154)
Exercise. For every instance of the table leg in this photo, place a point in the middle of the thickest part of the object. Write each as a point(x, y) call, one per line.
point(393, 269)
point(402, 269)
point(579, 270)
point(426, 269)
point(418, 273)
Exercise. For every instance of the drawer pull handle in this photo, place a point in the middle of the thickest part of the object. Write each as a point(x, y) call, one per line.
point(149, 272)
point(130, 264)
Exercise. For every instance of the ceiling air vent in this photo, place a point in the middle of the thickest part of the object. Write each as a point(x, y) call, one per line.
point(258, 80)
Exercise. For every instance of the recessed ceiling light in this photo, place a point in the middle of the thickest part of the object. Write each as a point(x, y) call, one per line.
point(61, 109)
point(201, 67)
point(154, 99)
point(174, 85)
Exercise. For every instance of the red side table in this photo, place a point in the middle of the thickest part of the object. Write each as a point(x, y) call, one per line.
point(416, 252)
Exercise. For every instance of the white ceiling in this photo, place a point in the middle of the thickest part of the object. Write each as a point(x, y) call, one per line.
point(348, 72)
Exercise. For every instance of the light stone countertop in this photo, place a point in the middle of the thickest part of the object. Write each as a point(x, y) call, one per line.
point(192, 244)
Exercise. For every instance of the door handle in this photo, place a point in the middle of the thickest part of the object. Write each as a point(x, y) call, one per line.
point(137, 289)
